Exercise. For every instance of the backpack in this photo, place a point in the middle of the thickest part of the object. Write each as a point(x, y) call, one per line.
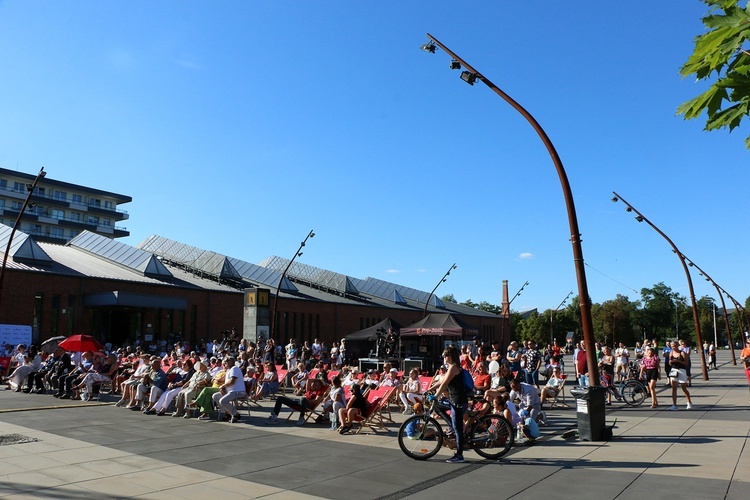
point(468, 381)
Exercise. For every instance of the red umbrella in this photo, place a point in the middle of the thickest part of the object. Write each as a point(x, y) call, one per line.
point(81, 343)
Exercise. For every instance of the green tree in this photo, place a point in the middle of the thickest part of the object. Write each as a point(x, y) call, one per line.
point(723, 50)
point(535, 327)
point(618, 322)
point(659, 311)
point(449, 298)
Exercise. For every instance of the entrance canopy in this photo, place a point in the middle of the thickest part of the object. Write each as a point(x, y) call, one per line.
point(371, 334)
point(440, 325)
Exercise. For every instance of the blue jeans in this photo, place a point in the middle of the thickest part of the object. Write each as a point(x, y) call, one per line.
point(457, 424)
point(532, 377)
point(583, 380)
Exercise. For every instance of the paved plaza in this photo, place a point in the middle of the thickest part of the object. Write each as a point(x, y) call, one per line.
point(95, 450)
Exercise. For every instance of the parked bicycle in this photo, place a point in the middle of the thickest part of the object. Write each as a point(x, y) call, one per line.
point(422, 436)
point(632, 390)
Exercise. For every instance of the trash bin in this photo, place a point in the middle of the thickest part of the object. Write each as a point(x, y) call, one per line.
point(590, 412)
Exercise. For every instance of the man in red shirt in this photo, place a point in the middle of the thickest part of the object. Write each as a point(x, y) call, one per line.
point(582, 367)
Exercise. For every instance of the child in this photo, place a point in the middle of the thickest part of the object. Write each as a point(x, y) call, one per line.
point(528, 427)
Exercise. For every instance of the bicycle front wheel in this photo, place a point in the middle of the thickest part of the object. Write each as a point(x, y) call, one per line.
point(491, 436)
point(420, 438)
point(633, 393)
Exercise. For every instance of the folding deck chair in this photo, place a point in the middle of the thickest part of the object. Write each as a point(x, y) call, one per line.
point(373, 418)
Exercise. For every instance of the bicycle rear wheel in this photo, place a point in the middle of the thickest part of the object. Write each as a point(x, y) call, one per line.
point(633, 393)
point(491, 436)
point(420, 438)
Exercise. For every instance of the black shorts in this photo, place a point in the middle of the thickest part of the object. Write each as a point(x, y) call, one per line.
point(652, 374)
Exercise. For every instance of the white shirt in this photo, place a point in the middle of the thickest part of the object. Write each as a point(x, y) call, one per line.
point(239, 381)
point(621, 355)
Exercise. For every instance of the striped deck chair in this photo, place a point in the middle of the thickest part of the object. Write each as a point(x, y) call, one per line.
point(377, 400)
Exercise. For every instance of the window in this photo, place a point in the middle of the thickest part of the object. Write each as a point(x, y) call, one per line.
point(75, 216)
point(35, 228)
point(58, 214)
point(73, 233)
point(108, 205)
point(4, 183)
point(106, 222)
point(2, 204)
point(93, 220)
point(15, 205)
point(19, 186)
point(57, 232)
point(61, 195)
point(77, 198)
point(95, 203)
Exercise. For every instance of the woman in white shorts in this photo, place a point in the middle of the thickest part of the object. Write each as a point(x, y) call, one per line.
point(678, 375)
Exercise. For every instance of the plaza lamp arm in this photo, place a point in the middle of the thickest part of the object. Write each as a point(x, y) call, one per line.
point(575, 235)
point(40, 175)
point(677, 252)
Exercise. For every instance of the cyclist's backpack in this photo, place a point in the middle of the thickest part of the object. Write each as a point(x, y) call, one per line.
point(468, 381)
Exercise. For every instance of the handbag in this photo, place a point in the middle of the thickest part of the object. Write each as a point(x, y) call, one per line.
point(674, 373)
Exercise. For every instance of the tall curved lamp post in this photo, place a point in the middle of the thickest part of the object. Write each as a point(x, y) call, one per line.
point(723, 304)
point(311, 234)
point(470, 75)
point(502, 323)
point(738, 308)
point(641, 218)
point(30, 188)
point(442, 280)
point(552, 315)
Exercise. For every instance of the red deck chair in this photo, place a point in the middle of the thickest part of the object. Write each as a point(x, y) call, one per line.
point(377, 400)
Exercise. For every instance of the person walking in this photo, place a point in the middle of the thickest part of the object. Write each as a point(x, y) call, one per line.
point(678, 375)
point(453, 384)
point(650, 370)
point(745, 357)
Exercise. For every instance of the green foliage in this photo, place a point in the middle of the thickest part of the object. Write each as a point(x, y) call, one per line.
point(449, 298)
point(723, 50)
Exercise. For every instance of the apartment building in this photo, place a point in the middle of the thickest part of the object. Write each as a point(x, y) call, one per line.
point(58, 211)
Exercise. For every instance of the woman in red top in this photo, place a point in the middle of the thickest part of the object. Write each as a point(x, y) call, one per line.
point(745, 357)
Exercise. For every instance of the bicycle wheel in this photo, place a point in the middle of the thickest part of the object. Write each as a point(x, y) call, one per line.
point(633, 393)
point(420, 438)
point(491, 436)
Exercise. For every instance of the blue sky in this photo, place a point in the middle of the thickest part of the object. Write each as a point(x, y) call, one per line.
point(238, 126)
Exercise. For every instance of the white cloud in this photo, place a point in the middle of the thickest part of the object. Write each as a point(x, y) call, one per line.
point(392, 271)
point(526, 256)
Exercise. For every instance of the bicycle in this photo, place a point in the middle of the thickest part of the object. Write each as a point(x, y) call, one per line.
point(632, 390)
point(422, 436)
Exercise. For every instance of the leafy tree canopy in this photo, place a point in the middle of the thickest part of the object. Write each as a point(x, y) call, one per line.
point(725, 50)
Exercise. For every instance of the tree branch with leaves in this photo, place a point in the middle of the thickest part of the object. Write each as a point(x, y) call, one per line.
point(722, 50)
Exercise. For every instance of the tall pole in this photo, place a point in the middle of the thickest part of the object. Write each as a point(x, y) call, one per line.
point(723, 306)
point(469, 76)
point(502, 323)
point(30, 188)
point(311, 234)
point(551, 317)
point(442, 280)
point(641, 218)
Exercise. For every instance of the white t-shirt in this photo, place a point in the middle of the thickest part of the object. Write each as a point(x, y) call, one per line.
point(239, 381)
point(621, 356)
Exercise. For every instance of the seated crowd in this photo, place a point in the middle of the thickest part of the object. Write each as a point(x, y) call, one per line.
point(185, 382)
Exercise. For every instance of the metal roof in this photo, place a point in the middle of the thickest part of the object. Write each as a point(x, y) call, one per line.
point(315, 276)
point(23, 247)
point(212, 263)
point(119, 253)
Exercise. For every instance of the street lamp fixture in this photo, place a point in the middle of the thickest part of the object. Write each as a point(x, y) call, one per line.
point(455, 64)
point(575, 238)
point(30, 188)
point(442, 280)
point(298, 253)
point(641, 218)
point(468, 77)
point(429, 47)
